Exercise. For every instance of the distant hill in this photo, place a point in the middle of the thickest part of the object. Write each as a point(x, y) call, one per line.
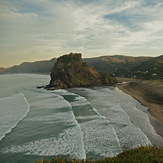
point(151, 69)
point(2, 69)
point(32, 67)
point(122, 66)
point(118, 64)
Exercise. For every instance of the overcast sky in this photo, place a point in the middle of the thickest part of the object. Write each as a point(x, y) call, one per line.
point(33, 30)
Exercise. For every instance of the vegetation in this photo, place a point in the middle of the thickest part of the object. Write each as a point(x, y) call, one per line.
point(72, 57)
point(118, 65)
point(137, 155)
point(70, 71)
point(129, 67)
point(152, 69)
point(155, 83)
point(121, 66)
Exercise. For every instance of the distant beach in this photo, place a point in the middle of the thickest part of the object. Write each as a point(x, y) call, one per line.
point(150, 96)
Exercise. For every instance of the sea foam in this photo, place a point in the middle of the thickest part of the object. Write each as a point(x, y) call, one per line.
point(107, 105)
point(67, 143)
point(138, 115)
point(51, 103)
point(99, 136)
point(13, 109)
point(79, 122)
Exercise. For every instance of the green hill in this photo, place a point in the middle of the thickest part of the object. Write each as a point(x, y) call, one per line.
point(151, 69)
point(118, 65)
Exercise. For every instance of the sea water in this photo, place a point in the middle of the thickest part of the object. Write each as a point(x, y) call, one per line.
point(77, 123)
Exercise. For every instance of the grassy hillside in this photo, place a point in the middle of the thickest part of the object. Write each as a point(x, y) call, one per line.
point(151, 69)
point(138, 155)
point(110, 64)
point(118, 65)
point(126, 66)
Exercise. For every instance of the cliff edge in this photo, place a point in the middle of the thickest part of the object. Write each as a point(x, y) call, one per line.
point(70, 71)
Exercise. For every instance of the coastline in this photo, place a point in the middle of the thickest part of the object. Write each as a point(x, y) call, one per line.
point(149, 96)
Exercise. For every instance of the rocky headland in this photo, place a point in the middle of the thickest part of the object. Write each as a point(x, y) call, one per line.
point(70, 71)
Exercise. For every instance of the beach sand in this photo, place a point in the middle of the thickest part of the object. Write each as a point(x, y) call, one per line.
point(149, 96)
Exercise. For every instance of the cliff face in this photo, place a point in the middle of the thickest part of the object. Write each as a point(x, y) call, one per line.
point(70, 71)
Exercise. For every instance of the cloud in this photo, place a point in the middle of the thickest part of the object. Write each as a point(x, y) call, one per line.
point(125, 6)
point(37, 29)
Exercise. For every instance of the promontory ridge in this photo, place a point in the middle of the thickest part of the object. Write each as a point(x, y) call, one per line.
point(70, 71)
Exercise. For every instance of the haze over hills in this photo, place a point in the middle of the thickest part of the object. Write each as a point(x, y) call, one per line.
point(2, 69)
point(122, 66)
point(31, 67)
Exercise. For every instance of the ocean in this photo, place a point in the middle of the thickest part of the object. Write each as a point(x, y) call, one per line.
point(80, 123)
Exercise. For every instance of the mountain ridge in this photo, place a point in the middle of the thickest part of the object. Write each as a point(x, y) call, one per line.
point(31, 67)
point(119, 65)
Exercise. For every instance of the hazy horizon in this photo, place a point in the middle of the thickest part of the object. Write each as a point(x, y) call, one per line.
point(67, 53)
point(35, 30)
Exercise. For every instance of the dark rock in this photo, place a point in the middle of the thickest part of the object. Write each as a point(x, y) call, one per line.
point(70, 71)
point(40, 87)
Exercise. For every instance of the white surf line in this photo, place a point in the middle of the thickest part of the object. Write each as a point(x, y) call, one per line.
point(129, 120)
point(111, 126)
point(100, 116)
point(129, 116)
point(83, 150)
point(107, 122)
point(122, 140)
point(150, 131)
point(20, 119)
point(70, 139)
point(27, 104)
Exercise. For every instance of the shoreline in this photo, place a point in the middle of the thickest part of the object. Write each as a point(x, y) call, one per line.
point(150, 97)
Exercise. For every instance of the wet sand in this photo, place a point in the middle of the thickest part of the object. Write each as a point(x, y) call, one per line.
point(149, 96)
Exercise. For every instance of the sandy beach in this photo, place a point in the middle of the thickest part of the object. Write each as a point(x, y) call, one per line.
point(149, 96)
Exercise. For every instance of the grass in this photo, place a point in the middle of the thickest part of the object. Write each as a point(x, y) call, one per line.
point(137, 155)
point(155, 83)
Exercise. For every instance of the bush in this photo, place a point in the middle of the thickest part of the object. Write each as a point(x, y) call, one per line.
point(137, 155)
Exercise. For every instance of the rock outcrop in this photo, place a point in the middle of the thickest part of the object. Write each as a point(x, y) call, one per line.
point(70, 71)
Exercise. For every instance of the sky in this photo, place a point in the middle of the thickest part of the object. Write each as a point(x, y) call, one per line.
point(33, 30)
